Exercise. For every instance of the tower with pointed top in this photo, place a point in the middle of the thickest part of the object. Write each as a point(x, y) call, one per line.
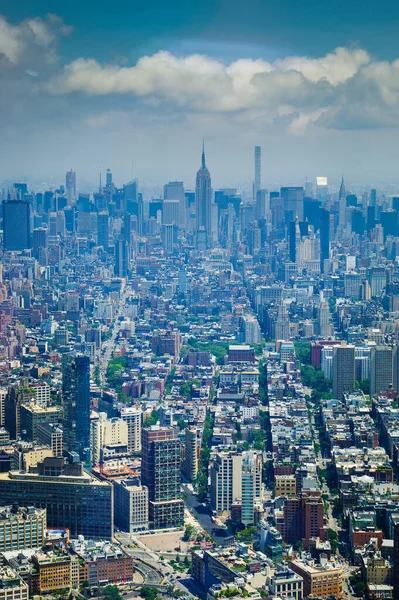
point(342, 202)
point(203, 199)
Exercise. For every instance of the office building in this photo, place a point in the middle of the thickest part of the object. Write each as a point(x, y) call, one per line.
point(76, 404)
point(343, 370)
point(381, 369)
point(103, 229)
point(16, 225)
point(160, 469)
point(40, 240)
point(50, 434)
point(70, 186)
point(342, 203)
point(322, 189)
point(203, 200)
point(174, 191)
point(131, 505)
point(107, 432)
point(12, 412)
point(258, 169)
point(133, 417)
point(33, 414)
point(22, 528)
point(292, 198)
point(121, 267)
point(74, 499)
point(325, 228)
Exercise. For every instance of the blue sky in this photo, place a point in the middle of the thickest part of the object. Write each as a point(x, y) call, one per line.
point(84, 96)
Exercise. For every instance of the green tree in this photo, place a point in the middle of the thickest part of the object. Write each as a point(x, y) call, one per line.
point(148, 593)
point(111, 592)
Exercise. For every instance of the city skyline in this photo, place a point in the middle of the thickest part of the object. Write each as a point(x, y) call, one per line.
point(322, 101)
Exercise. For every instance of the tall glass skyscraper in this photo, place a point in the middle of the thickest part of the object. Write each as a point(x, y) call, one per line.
point(76, 402)
point(16, 225)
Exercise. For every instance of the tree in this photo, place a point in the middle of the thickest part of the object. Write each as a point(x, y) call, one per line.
point(365, 386)
point(148, 593)
point(188, 532)
point(111, 592)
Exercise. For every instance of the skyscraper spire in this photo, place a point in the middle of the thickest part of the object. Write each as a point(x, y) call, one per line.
point(203, 165)
point(342, 190)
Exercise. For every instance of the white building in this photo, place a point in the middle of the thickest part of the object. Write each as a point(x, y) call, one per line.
point(106, 432)
point(133, 417)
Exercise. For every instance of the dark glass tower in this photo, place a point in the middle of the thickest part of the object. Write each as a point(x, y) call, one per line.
point(76, 401)
point(16, 225)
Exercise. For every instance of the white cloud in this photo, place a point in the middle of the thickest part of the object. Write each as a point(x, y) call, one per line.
point(30, 39)
point(344, 89)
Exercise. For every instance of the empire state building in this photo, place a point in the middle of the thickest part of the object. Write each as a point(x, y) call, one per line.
point(203, 200)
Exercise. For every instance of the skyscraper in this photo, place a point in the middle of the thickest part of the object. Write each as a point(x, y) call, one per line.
point(76, 402)
point(381, 372)
point(70, 186)
point(293, 202)
point(174, 190)
point(16, 225)
point(203, 199)
point(103, 229)
point(342, 203)
point(121, 257)
point(160, 472)
point(343, 370)
point(258, 169)
point(324, 237)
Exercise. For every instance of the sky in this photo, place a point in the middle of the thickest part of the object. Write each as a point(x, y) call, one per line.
point(136, 85)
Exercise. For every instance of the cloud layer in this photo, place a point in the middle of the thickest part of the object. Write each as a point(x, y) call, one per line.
point(65, 109)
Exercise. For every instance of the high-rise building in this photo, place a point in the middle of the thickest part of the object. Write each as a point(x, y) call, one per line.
point(381, 370)
point(324, 320)
point(121, 257)
point(192, 446)
point(12, 412)
point(236, 480)
point(33, 414)
point(325, 226)
point(16, 225)
point(76, 404)
point(203, 200)
point(342, 203)
point(174, 190)
point(322, 189)
point(70, 186)
point(258, 169)
point(131, 505)
point(160, 469)
point(74, 498)
point(292, 198)
point(343, 370)
point(107, 432)
point(103, 229)
point(134, 419)
point(40, 240)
